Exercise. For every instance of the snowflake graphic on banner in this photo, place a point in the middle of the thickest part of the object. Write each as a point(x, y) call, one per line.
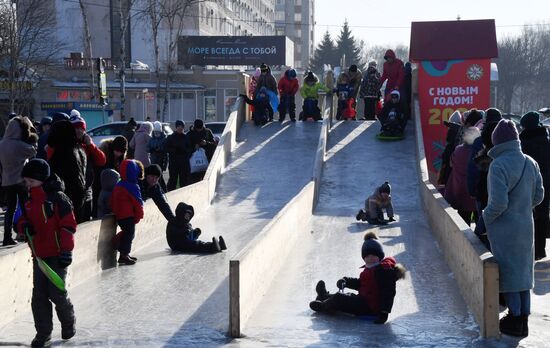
point(474, 72)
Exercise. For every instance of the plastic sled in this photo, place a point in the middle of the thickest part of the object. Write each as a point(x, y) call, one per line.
point(384, 137)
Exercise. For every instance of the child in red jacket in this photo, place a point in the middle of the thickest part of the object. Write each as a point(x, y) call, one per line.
point(288, 86)
point(127, 205)
point(376, 285)
point(48, 217)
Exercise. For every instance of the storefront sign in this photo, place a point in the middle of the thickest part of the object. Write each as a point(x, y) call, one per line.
point(443, 88)
point(81, 106)
point(237, 50)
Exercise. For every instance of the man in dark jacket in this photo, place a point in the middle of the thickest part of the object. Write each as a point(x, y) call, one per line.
point(95, 159)
point(178, 148)
point(150, 188)
point(535, 143)
point(44, 131)
point(181, 236)
point(201, 137)
point(68, 160)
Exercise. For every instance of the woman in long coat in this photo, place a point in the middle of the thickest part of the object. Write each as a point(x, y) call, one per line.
point(515, 188)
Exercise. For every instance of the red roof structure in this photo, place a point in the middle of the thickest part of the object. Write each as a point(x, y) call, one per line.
point(446, 40)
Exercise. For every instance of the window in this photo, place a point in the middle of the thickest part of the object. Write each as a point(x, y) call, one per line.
point(210, 105)
point(230, 97)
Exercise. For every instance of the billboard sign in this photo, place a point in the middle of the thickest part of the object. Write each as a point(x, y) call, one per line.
point(443, 88)
point(235, 50)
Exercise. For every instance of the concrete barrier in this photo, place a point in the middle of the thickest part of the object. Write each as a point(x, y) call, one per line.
point(253, 269)
point(474, 267)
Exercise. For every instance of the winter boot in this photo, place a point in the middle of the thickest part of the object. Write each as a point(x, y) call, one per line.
point(524, 320)
point(321, 289)
point(215, 245)
point(511, 325)
point(126, 260)
point(133, 258)
point(360, 215)
point(317, 306)
point(8, 241)
point(67, 331)
point(222, 243)
point(41, 341)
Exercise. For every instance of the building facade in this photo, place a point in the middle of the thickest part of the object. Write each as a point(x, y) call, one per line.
point(295, 19)
point(197, 93)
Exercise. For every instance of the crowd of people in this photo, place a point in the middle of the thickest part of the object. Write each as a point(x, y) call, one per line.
point(54, 177)
point(495, 176)
point(266, 95)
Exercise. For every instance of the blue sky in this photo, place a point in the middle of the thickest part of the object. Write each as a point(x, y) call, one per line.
point(509, 16)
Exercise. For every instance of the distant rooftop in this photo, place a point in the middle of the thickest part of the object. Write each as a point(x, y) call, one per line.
point(446, 40)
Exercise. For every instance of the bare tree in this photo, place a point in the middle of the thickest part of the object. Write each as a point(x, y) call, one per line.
point(29, 47)
point(169, 14)
point(88, 47)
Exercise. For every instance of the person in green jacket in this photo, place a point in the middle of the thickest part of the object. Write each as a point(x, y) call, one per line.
point(310, 92)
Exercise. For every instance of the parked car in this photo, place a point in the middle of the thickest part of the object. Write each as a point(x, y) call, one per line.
point(216, 128)
point(113, 129)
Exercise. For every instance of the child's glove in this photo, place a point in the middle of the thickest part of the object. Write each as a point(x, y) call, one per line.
point(341, 283)
point(65, 258)
point(391, 219)
point(382, 318)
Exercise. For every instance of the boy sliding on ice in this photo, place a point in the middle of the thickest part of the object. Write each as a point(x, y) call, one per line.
point(375, 205)
point(181, 235)
point(49, 220)
point(376, 285)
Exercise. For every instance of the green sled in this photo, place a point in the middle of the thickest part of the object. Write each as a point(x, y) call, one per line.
point(45, 268)
point(389, 138)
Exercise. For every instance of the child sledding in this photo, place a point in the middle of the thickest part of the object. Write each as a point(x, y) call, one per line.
point(376, 286)
point(393, 118)
point(181, 235)
point(375, 205)
point(262, 106)
point(310, 92)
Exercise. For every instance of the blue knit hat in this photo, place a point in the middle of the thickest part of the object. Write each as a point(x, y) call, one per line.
point(531, 120)
point(371, 246)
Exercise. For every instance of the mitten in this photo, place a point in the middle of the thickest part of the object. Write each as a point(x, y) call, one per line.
point(65, 258)
point(382, 318)
point(341, 283)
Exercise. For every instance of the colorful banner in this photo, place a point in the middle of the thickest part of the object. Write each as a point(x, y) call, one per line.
point(443, 88)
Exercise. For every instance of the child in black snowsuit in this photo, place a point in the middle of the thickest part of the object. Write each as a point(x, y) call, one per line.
point(375, 285)
point(375, 205)
point(49, 220)
point(393, 116)
point(181, 235)
point(262, 107)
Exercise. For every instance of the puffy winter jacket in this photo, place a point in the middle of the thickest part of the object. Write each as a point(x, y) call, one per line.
point(312, 91)
point(376, 285)
point(126, 199)
point(288, 86)
point(370, 85)
point(15, 150)
point(139, 143)
point(393, 72)
point(157, 150)
point(50, 213)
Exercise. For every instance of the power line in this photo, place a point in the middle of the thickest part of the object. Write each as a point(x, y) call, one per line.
point(306, 24)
